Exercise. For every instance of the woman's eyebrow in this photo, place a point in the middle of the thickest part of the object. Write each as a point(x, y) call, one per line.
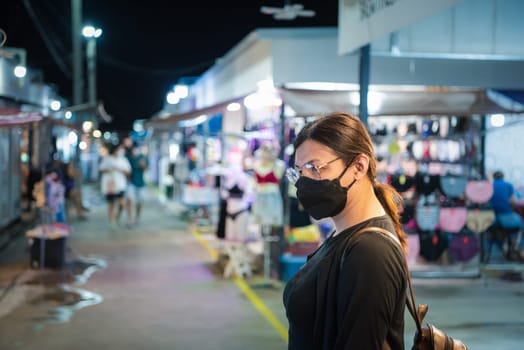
point(314, 160)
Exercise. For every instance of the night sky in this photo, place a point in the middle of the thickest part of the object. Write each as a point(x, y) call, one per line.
point(146, 46)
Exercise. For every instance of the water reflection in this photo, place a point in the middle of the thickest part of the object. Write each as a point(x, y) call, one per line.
point(62, 302)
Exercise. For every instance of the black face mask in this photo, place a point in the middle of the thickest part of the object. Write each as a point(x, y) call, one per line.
point(322, 198)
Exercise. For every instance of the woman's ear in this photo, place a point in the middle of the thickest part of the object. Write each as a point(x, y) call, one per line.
point(361, 166)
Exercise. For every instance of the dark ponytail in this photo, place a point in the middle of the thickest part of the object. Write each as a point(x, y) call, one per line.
point(391, 200)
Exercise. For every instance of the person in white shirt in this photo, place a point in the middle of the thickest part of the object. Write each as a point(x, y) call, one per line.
point(115, 170)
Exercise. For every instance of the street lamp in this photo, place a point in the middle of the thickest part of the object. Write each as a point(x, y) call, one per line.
point(91, 33)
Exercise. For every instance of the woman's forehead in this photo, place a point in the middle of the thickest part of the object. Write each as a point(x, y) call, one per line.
point(311, 150)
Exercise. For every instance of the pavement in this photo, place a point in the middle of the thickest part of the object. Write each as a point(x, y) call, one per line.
point(159, 285)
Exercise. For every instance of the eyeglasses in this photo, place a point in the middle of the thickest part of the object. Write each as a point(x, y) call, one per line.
point(311, 170)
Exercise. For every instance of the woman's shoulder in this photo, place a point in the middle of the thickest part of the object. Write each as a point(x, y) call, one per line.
point(369, 239)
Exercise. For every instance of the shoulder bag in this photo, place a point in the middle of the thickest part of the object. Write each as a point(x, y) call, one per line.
point(427, 337)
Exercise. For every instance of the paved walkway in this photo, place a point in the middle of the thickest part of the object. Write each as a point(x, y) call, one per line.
point(157, 286)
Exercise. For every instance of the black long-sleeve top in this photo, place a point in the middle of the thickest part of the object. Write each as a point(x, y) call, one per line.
point(350, 294)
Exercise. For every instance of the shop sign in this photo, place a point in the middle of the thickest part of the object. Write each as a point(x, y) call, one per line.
point(363, 21)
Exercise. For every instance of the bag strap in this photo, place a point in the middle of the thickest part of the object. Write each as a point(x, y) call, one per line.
point(410, 298)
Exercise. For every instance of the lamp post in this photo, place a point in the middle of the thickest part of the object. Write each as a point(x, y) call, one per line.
point(91, 33)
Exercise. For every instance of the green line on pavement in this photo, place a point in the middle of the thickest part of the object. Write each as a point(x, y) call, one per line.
point(248, 292)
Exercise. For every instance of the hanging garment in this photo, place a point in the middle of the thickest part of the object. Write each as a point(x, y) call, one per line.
point(427, 217)
point(452, 220)
point(235, 192)
point(402, 183)
point(479, 220)
point(426, 184)
point(237, 217)
point(413, 247)
point(432, 245)
point(453, 186)
point(463, 247)
point(268, 208)
point(407, 213)
point(267, 178)
point(427, 213)
point(479, 191)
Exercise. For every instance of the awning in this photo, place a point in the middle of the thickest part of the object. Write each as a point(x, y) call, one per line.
point(61, 123)
point(169, 121)
point(10, 116)
point(393, 101)
point(514, 95)
point(382, 101)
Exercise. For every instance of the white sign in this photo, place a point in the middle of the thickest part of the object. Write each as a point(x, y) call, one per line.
point(362, 21)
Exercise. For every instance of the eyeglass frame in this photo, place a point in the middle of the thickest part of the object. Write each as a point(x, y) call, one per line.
point(293, 174)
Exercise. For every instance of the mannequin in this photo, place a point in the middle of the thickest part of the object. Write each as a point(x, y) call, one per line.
point(235, 191)
point(268, 207)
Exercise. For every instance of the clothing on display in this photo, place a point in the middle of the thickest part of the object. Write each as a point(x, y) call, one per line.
point(269, 178)
point(479, 191)
point(237, 219)
point(479, 220)
point(453, 186)
point(268, 208)
point(463, 247)
point(427, 215)
point(237, 205)
point(427, 183)
point(452, 220)
point(432, 245)
point(401, 182)
point(432, 173)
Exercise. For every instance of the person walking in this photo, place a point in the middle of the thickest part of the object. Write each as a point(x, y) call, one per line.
point(136, 186)
point(504, 204)
point(114, 169)
point(351, 292)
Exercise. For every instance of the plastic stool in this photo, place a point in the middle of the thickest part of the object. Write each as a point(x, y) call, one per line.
point(503, 237)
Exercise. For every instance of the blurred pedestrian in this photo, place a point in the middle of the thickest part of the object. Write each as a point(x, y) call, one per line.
point(136, 186)
point(73, 192)
point(114, 169)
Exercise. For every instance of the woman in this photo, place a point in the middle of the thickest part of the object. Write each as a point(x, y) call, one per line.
point(114, 169)
point(351, 292)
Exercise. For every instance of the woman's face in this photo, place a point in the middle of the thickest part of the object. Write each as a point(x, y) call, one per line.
point(318, 155)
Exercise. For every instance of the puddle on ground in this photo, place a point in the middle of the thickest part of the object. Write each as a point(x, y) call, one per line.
point(62, 302)
point(75, 272)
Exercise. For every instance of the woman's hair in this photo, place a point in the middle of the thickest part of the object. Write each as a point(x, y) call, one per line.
point(347, 136)
point(112, 148)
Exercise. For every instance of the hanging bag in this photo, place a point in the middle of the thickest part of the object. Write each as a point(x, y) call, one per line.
point(427, 337)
